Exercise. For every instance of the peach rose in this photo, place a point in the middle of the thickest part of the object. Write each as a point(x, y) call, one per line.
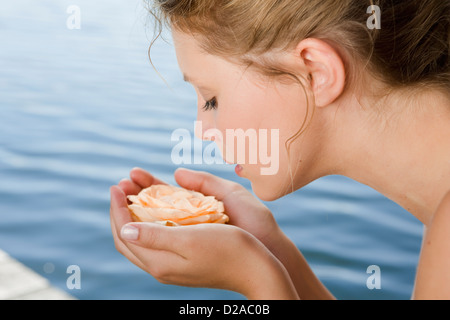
point(175, 206)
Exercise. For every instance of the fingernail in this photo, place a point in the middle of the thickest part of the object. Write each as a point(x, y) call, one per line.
point(128, 232)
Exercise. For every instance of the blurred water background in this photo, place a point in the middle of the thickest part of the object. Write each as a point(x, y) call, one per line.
point(79, 108)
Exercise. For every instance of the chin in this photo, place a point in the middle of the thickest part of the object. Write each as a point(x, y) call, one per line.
point(270, 188)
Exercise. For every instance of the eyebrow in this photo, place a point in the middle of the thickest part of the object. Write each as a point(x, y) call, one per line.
point(186, 78)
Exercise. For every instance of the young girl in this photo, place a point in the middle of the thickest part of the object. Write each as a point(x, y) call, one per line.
point(354, 88)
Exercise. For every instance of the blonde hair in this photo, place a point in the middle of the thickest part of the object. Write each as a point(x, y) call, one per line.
point(411, 47)
point(410, 50)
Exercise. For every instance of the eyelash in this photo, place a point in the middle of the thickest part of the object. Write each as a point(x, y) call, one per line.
point(211, 104)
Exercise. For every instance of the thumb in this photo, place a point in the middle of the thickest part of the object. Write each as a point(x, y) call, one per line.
point(150, 235)
point(205, 182)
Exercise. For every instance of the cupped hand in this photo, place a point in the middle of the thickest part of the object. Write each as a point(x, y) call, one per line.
point(243, 208)
point(206, 255)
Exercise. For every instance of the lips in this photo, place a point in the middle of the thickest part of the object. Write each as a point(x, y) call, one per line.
point(238, 169)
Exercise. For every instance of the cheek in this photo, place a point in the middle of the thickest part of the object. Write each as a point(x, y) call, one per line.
point(238, 116)
point(270, 114)
point(266, 117)
point(250, 106)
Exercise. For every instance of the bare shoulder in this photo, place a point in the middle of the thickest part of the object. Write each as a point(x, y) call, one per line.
point(433, 278)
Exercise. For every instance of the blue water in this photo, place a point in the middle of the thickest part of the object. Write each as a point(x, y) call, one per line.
point(80, 108)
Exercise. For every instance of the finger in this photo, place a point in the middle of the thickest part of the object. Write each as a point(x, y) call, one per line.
point(143, 178)
point(205, 182)
point(124, 249)
point(129, 187)
point(117, 220)
point(119, 207)
point(157, 262)
point(154, 236)
point(165, 266)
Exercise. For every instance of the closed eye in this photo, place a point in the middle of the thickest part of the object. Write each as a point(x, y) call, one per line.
point(210, 105)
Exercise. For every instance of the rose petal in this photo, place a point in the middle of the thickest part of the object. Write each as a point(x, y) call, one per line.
point(167, 223)
point(174, 205)
point(202, 219)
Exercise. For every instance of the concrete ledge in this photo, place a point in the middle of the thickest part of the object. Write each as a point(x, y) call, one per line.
point(18, 282)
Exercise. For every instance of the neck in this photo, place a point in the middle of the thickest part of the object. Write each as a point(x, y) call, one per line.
point(402, 152)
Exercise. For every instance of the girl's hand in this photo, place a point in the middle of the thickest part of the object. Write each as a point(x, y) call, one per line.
point(244, 209)
point(208, 255)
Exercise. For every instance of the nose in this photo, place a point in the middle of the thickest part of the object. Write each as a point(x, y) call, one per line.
point(204, 131)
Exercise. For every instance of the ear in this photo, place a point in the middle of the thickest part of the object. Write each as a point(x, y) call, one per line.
point(325, 67)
